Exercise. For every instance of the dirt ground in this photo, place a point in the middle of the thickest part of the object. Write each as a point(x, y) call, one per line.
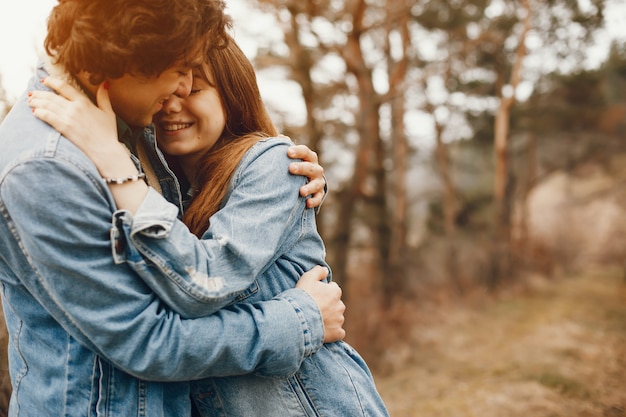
point(557, 349)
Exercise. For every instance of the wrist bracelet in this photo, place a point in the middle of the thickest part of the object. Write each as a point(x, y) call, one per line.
point(132, 178)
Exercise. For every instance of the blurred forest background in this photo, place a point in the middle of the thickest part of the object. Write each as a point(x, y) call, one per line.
point(473, 149)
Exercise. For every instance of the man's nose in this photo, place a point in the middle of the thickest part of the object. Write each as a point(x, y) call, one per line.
point(184, 85)
point(172, 105)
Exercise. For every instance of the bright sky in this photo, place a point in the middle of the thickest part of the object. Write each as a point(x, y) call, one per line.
point(22, 31)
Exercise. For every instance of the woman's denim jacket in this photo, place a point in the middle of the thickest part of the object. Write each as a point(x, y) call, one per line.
point(88, 337)
point(258, 245)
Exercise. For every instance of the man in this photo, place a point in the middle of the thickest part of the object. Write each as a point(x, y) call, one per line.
point(87, 336)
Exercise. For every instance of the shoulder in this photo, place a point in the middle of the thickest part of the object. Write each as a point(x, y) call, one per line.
point(270, 145)
point(268, 151)
point(28, 141)
point(267, 159)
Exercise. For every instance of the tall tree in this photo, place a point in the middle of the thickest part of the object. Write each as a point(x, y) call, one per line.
point(556, 23)
point(462, 59)
point(506, 94)
point(397, 73)
point(364, 199)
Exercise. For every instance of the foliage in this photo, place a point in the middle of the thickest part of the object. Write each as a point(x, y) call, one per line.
point(388, 83)
point(585, 100)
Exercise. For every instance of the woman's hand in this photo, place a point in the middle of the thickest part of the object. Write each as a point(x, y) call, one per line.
point(91, 128)
point(310, 167)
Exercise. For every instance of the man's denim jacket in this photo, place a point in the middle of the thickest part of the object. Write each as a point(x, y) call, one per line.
point(87, 336)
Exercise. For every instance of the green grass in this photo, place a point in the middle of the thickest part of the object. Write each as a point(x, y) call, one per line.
point(563, 385)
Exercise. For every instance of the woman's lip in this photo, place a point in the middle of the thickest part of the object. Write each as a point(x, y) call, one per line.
point(174, 126)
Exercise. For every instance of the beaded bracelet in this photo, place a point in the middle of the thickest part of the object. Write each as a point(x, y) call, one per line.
point(132, 178)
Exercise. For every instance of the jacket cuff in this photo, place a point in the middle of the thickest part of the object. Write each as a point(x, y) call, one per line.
point(310, 319)
point(155, 217)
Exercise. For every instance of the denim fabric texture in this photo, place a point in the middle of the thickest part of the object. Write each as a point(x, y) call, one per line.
point(87, 336)
point(258, 245)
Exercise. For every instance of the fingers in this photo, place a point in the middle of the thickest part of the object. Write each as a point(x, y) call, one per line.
point(315, 200)
point(318, 273)
point(335, 335)
point(308, 169)
point(315, 188)
point(302, 152)
point(333, 315)
point(48, 100)
point(56, 108)
point(63, 88)
point(50, 108)
point(338, 290)
point(89, 127)
point(311, 169)
point(315, 174)
point(327, 296)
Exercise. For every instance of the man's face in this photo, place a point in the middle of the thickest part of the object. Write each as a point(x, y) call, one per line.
point(136, 98)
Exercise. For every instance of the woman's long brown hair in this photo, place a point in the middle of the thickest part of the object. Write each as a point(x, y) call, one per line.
point(247, 122)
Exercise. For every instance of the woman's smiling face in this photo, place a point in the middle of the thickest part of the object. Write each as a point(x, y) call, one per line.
point(188, 127)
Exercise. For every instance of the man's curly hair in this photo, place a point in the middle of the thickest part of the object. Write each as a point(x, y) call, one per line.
point(109, 38)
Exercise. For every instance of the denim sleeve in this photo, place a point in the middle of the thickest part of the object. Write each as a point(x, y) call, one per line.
point(59, 216)
point(197, 277)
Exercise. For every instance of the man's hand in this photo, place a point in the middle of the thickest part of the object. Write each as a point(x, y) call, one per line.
point(309, 167)
point(328, 298)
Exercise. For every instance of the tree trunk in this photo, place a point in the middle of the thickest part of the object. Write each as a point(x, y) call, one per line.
point(394, 281)
point(501, 242)
point(450, 208)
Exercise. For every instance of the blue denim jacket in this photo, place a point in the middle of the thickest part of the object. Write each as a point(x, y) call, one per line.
point(258, 245)
point(87, 337)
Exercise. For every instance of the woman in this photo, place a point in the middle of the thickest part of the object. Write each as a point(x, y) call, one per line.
point(221, 140)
